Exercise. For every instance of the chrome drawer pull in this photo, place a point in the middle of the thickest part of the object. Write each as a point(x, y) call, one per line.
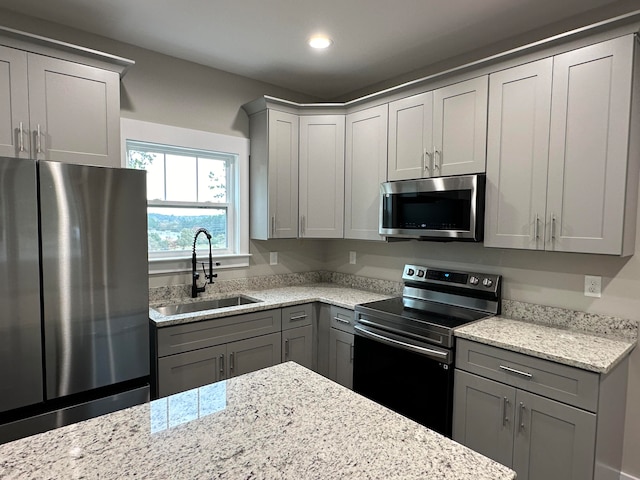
point(338, 319)
point(517, 372)
point(298, 317)
point(286, 348)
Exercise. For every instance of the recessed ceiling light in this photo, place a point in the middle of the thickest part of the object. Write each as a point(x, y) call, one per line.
point(320, 42)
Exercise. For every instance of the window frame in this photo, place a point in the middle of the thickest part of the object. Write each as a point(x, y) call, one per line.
point(237, 254)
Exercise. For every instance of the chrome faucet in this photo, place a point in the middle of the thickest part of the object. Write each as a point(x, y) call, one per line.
point(195, 289)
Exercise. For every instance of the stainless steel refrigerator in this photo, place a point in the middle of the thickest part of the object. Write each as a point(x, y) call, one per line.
point(74, 325)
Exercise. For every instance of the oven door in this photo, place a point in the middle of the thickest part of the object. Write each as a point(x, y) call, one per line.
point(405, 375)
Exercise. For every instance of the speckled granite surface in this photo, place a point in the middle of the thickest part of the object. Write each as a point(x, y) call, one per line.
point(596, 353)
point(332, 293)
point(284, 422)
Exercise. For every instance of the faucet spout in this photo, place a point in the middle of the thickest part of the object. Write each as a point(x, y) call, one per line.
point(195, 289)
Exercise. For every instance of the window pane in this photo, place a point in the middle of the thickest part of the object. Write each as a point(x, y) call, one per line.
point(153, 163)
point(181, 178)
point(212, 180)
point(173, 229)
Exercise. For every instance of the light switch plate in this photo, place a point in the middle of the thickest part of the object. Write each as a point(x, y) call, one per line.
point(352, 258)
point(592, 286)
point(273, 258)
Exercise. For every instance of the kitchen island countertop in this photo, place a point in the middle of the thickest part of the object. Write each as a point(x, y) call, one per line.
point(283, 422)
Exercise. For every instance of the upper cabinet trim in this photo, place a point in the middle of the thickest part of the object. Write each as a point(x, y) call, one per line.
point(63, 50)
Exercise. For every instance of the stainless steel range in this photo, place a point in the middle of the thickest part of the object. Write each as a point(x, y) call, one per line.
point(404, 346)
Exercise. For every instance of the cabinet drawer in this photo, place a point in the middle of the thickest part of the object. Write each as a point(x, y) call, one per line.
point(342, 319)
point(559, 382)
point(297, 316)
point(192, 336)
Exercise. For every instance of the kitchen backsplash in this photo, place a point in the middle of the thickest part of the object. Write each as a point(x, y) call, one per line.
point(552, 316)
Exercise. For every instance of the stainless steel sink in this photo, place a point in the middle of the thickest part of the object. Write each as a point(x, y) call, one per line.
point(204, 305)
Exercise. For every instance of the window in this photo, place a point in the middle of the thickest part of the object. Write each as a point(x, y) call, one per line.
point(189, 187)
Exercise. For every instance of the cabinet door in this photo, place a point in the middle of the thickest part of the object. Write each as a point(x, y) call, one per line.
point(297, 345)
point(177, 373)
point(74, 111)
point(253, 354)
point(341, 357)
point(460, 127)
point(553, 441)
point(322, 176)
point(283, 174)
point(14, 104)
point(483, 413)
point(365, 170)
point(410, 137)
point(517, 156)
point(588, 147)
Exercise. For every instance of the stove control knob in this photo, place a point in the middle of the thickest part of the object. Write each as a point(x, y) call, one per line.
point(487, 282)
point(410, 271)
point(474, 280)
point(420, 273)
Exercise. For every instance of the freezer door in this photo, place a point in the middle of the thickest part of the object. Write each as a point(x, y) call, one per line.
point(94, 276)
point(20, 332)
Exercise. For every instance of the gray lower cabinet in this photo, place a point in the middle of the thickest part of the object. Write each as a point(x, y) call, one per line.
point(298, 334)
point(199, 353)
point(341, 357)
point(297, 345)
point(545, 420)
point(335, 344)
point(538, 437)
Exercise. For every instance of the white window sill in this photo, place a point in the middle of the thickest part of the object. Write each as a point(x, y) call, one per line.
point(163, 266)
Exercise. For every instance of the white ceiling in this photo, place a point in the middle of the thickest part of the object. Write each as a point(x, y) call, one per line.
point(374, 40)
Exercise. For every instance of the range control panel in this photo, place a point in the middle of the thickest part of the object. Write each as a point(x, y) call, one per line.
point(476, 281)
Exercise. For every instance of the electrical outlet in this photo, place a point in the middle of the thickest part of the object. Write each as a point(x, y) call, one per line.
point(273, 258)
point(352, 258)
point(592, 286)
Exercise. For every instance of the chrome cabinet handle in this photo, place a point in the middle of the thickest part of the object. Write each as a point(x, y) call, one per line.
point(521, 415)
point(231, 365)
point(298, 317)
point(536, 236)
point(222, 366)
point(505, 405)
point(426, 159)
point(273, 226)
point(553, 227)
point(437, 152)
point(38, 141)
point(21, 138)
point(302, 225)
point(517, 372)
point(338, 319)
point(286, 348)
point(351, 353)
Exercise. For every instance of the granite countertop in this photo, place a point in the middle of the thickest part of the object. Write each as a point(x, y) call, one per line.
point(330, 293)
point(283, 422)
point(589, 351)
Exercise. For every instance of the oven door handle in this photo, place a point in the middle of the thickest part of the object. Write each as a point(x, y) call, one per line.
point(394, 341)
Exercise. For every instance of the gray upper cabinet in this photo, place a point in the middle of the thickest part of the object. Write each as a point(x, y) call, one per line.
point(14, 104)
point(517, 156)
point(562, 167)
point(590, 196)
point(274, 174)
point(460, 127)
point(322, 176)
point(61, 110)
point(365, 170)
point(439, 133)
point(410, 137)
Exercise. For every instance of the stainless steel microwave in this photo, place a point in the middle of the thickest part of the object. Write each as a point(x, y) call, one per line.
point(440, 208)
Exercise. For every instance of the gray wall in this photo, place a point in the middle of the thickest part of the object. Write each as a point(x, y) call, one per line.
point(167, 90)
